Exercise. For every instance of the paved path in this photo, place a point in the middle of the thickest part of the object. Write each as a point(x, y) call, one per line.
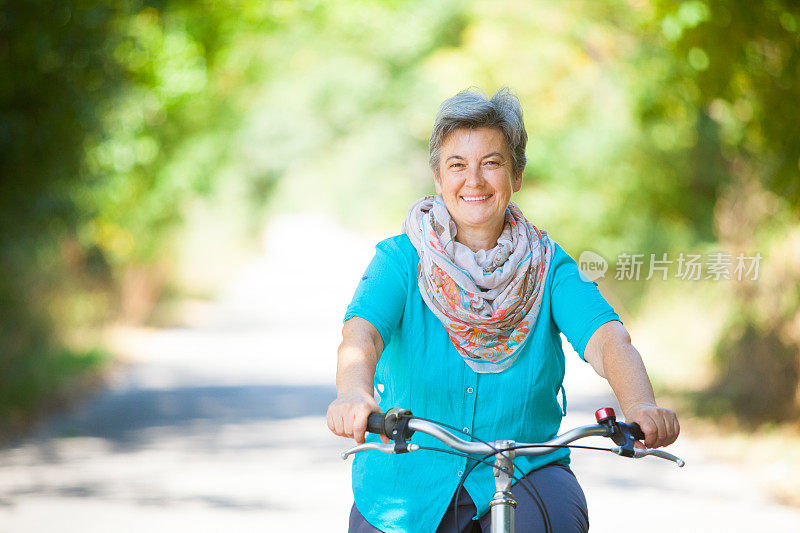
point(203, 428)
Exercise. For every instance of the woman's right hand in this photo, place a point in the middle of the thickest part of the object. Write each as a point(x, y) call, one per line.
point(348, 413)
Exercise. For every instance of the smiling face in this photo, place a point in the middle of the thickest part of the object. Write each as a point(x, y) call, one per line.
point(476, 180)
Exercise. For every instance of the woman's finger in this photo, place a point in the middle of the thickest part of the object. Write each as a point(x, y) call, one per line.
point(338, 425)
point(675, 428)
point(661, 423)
point(329, 420)
point(665, 427)
point(648, 428)
point(348, 424)
point(360, 426)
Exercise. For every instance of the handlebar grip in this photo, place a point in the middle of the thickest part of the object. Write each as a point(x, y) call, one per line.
point(375, 423)
point(636, 431)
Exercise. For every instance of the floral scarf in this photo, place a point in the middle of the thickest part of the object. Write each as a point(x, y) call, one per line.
point(488, 300)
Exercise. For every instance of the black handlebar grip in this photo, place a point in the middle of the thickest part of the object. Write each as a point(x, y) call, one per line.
point(375, 423)
point(636, 431)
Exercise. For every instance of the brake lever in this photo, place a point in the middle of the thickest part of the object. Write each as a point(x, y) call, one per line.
point(385, 448)
point(643, 452)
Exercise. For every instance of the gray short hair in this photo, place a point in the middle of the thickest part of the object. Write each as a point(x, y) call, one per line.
point(471, 109)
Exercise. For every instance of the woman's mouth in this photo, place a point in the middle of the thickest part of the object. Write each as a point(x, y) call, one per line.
point(476, 199)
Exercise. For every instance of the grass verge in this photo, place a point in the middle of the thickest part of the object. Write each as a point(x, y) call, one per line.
point(40, 384)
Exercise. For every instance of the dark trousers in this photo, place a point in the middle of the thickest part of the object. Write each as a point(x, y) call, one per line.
point(557, 486)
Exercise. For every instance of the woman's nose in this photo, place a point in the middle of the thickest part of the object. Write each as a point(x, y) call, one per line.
point(475, 176)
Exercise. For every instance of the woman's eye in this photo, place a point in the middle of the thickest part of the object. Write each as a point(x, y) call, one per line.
point(493, 163)
point(457, 165)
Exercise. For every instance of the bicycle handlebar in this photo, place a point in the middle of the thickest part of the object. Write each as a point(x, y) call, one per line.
point(479, 448)
point(400, 425)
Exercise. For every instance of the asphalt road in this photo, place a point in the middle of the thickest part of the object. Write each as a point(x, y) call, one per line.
point(220, 425)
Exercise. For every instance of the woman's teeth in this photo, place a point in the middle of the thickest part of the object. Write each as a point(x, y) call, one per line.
point(475, 198)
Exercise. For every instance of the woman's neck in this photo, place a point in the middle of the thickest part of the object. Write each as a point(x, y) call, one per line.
point(481, 238)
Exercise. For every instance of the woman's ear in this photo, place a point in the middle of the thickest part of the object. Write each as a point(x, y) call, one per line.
point(516, 184)
point(436, 183)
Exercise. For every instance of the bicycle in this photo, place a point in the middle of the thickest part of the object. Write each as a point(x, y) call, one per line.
point(400, 424)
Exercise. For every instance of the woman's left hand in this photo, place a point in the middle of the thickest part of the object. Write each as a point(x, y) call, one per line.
point(660, 426)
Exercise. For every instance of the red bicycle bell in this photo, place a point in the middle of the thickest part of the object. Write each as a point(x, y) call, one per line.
point(605, 413)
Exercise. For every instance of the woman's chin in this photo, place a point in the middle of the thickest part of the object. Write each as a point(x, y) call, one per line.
point(478, 220)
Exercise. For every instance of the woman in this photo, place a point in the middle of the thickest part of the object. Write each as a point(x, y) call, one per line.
point(458, 319)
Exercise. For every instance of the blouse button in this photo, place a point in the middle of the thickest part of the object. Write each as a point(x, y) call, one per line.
point(469, 390)
point(460, 473)
point(465, 430)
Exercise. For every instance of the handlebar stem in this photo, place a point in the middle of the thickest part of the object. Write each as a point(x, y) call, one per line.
point(504, 460)
point(503, 504)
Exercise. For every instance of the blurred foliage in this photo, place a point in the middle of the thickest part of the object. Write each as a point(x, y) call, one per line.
point(111, 115)
point(734, 73)
point(740, 73)
point(654, 126)
point(748, 357)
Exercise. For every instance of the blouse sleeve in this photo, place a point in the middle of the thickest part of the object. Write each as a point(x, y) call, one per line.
point(381, 294)
point(577, 307)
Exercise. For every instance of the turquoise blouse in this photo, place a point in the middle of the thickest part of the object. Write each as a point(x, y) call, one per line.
point(420, 370)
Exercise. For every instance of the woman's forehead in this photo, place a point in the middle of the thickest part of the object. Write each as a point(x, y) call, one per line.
point(475, 141)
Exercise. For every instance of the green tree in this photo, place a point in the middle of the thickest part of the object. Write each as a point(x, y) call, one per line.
point(732, 76)
point(112, 115)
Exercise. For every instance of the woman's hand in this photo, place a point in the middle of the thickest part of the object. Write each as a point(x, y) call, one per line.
point(347, 415)
point(660, 426)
